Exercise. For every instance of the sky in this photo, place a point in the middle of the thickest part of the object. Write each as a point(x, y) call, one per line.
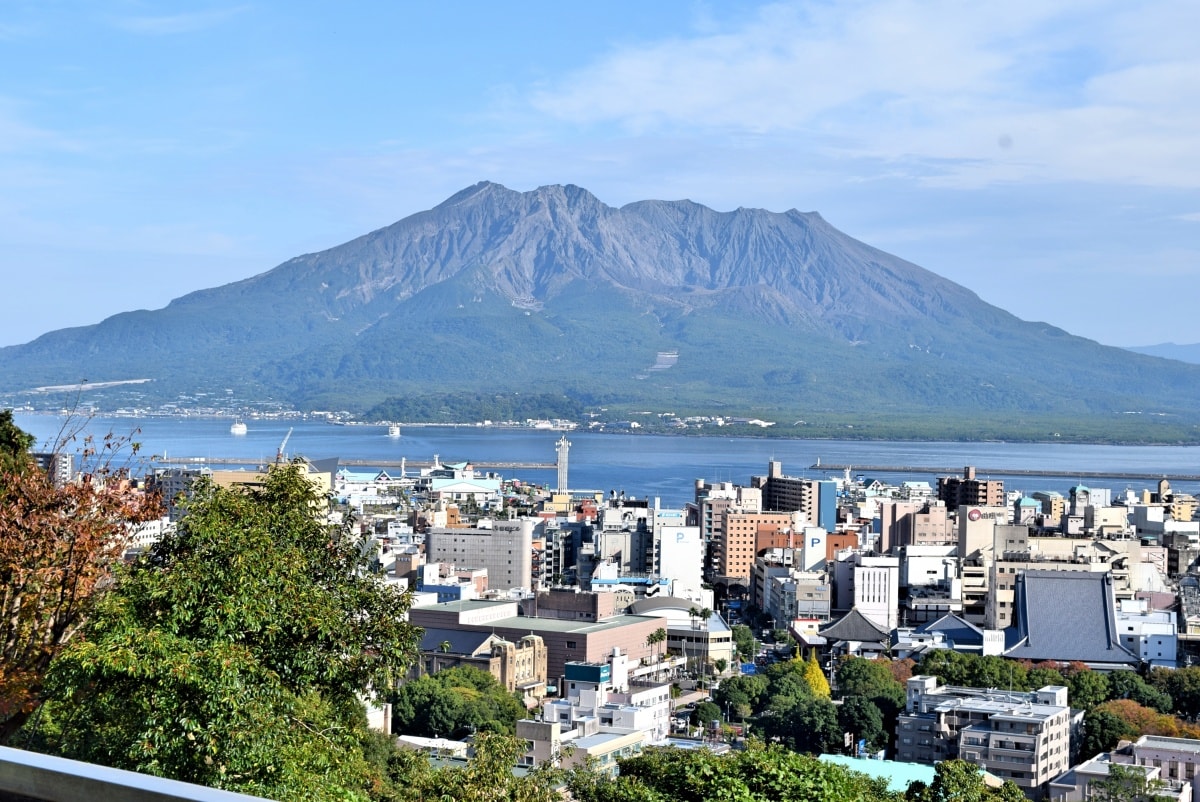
point(1044, 155)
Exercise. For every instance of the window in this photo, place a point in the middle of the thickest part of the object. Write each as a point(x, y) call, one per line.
point(571, 645)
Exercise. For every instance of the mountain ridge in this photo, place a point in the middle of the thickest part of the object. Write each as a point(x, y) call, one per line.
point(552, 290)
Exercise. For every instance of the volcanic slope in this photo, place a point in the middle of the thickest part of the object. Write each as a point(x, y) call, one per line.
point(663, 304)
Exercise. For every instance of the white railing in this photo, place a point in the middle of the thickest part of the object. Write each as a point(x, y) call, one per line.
point(56, 779)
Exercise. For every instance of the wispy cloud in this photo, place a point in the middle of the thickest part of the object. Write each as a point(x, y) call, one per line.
point(964, 94)
point(168, 24)
point(1193, 217)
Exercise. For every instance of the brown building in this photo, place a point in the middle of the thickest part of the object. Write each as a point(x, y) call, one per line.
point(745, 534)
point(566, 640)
point(970, 491)
point(520, 665)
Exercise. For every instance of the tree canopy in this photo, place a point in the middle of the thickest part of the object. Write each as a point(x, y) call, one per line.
point(455, 702)
point(58, 547)
point(235, 652)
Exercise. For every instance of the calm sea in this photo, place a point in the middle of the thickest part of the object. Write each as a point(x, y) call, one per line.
point(655, 466)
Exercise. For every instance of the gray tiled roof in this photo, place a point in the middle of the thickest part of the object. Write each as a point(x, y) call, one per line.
point(1067, 615)
point(854, 626)
point(956, 629)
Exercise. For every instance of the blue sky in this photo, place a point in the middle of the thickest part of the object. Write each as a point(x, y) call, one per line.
point(1044, 155)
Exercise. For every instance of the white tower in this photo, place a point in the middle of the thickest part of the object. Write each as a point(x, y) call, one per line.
point(562, 447)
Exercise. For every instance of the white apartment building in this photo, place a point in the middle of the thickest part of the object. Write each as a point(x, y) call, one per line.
point(1152, 635)
point(1018, 736)
point(603, 714)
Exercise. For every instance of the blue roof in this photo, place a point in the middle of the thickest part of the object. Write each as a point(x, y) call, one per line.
point(899, 775)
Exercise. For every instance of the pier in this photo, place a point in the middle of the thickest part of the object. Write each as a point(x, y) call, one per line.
point(957, 471)
point(363, 463)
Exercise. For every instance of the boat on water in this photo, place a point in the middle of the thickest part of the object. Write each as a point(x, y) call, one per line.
point(394, 430)
point(238, 427)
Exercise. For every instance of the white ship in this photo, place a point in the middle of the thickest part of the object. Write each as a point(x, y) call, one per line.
point(394, 430)
point(237, 428)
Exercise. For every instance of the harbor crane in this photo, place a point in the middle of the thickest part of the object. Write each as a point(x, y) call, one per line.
point(282, 446)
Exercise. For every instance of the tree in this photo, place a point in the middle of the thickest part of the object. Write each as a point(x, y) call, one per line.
point(655, 638)
point(1128, 685)
point(58, 548)
point(454, 702)
point(14, 444)
point(1183, 686)
point(960, 781)
point(235, 652)
point(744, 694)
point(705, 713)
point(487, 777)
point(1087, 689)
point(1127, 784)
point(755, 774)
point(862, 718)
point(743, 640)
point(814, 677)
point(1102, 730)
point(808, 725)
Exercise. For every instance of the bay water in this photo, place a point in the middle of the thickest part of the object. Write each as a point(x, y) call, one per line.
point(665, 467)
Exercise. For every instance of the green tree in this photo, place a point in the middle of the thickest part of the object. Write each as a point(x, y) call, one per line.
point(745, 694)
point(1128, 685)
point(14, 444)
point(1102, 731)
point(455, 702)
point(487, 777)
point(706, 713)
point(235, 652)
point(656, 638)
point(960, 781)
point(873, 680)
point(862, 719)
point(1087, 689)
point(809, 725)
point(59, 546)
point(1127, 784)
point(756, 774)
point(1182, 685)
point(743, 640)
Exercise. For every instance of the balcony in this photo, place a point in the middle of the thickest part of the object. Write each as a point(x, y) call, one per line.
point(56, 779)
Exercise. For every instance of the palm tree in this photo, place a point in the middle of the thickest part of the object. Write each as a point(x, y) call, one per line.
point(656, 637)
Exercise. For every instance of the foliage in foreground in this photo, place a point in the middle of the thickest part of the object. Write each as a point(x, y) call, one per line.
point(58, 547)
point(233, 654)
point(770, 774)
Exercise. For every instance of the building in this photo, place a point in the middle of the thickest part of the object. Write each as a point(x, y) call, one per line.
point(566, 640)
point(1178, 758)
point(520, 665)
point(1152, 635)
point(1068, 616)
point(704, 643)
point(970, 491)
point(603, 716)
point(58, 465)
point(1018, 736)
point(816, 499)
point(1080, 783)
point(504, 548)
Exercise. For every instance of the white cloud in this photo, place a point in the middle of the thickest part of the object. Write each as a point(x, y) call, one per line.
point(963, 94)
point(168, 24)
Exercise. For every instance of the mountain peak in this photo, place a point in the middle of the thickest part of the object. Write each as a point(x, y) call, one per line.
point(549, 289)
